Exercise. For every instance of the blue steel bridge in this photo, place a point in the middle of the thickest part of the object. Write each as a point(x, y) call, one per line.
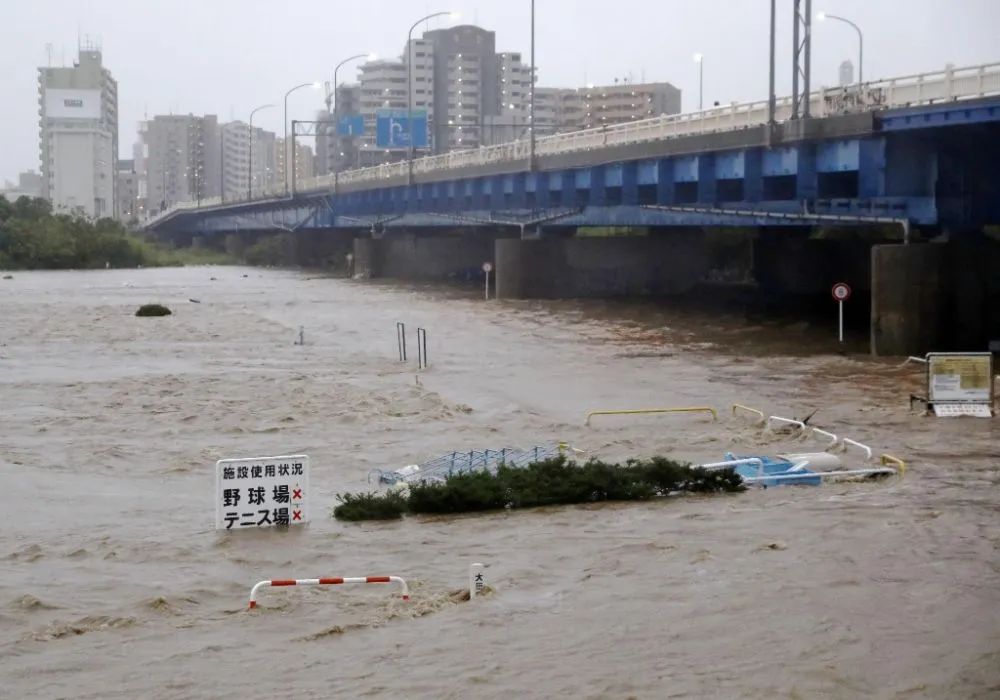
point(917, 155)
point(918, 149)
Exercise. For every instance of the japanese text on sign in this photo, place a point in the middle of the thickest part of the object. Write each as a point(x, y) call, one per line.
point(261, 492)
point(960, 377)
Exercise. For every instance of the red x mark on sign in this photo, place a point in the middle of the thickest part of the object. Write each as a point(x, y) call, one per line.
point(296, 493)
point(296, 515)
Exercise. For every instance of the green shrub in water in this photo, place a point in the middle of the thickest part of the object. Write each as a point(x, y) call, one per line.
point(556, 481)
point(153, 310)
point(370, 506)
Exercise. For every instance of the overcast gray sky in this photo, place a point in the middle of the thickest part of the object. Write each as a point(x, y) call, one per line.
point(227, 56)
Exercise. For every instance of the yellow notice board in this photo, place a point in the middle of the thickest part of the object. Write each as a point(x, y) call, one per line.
point(960, 377)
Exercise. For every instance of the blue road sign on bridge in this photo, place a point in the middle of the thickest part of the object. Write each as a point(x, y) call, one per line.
point(392, 128)
point(351, 125)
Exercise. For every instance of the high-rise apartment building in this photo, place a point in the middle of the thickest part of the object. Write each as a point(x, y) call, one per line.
point(130, 204)
point(236, 162)
point(181, 158)
point(845, 74)
point(605, 105)
point(29, 184)
point(304, 160)
point(472, 96)
point(78, 140)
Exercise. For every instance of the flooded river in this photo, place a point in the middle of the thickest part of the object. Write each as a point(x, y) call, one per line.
point(113, 582)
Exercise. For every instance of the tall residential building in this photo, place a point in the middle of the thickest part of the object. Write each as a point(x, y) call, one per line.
point(78, 140)
point(339, 148)
point(29, 184)
point(605, 105)
point(236, 162)
point(326, 137)
point(130, 204)
point(383, 86)
point(846, 74)
point(181, 159)
point(304, 160)
point(478, 91)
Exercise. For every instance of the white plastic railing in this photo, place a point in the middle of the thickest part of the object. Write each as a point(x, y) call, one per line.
point(864, 448)
point(828, 435)
point(911, 90)
point(786, 421)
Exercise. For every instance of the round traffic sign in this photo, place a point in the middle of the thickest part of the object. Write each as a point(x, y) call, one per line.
point(841, 291)
point(487, 267)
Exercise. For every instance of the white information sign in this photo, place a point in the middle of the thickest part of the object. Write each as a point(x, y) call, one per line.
point(261, 492)
point(960, 377)
point(72, 104)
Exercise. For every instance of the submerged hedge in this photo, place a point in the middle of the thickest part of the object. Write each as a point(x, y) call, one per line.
point(556, 481)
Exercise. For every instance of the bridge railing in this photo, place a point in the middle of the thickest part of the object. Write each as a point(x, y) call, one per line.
point(911, 90)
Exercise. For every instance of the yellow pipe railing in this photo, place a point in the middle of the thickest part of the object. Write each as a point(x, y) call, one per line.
point(889, 459)
point(635, 411)
point(741, 407)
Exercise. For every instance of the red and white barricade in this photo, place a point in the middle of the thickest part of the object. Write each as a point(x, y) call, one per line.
point(326, 582)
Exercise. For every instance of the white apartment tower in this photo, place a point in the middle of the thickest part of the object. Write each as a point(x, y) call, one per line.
point(236, 162)
point(78, 140)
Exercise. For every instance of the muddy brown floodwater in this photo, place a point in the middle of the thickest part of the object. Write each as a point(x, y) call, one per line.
point(113, 582)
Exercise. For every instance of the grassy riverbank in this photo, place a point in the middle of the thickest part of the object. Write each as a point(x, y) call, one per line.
point(33, 238)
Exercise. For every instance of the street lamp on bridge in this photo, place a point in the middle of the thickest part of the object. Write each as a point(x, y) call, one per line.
point(700, 60)
point(409, 85)
point(284, 144)
point(250, 141)
point(333, 93)
point(861, 41)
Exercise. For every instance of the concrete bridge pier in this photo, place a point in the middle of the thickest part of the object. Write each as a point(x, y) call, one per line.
point(663, 263)
point(433, 256)
point(935, 297)
point(326, 248)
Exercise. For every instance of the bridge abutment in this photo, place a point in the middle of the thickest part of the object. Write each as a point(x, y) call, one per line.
point(934, 297)
point(564, 268)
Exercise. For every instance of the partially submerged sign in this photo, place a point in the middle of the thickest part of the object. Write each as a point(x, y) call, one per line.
point(261, 492)
point(960, 383)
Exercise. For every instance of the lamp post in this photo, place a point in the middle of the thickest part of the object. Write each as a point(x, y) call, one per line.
point(861, 41)
point(336, 104)
point(222, 163)
point(409, 88)
point(700, 60)
point(250, 159)
point(284, 144)
point(531, 104)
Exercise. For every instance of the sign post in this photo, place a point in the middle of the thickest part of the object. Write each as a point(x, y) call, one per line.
point(841, 292)
point(477, 580)
point(261, 492)
point(487, 268)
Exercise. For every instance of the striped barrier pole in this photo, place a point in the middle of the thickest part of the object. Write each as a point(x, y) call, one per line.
point(274, 583)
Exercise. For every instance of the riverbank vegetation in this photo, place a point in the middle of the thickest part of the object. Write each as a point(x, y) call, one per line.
point(32, 237)
point(556, 481)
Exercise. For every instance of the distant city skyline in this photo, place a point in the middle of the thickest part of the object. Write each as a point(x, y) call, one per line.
point(226, 57)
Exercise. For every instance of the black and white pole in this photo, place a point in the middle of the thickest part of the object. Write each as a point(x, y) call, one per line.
point(841, 292)
point(487, 268)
